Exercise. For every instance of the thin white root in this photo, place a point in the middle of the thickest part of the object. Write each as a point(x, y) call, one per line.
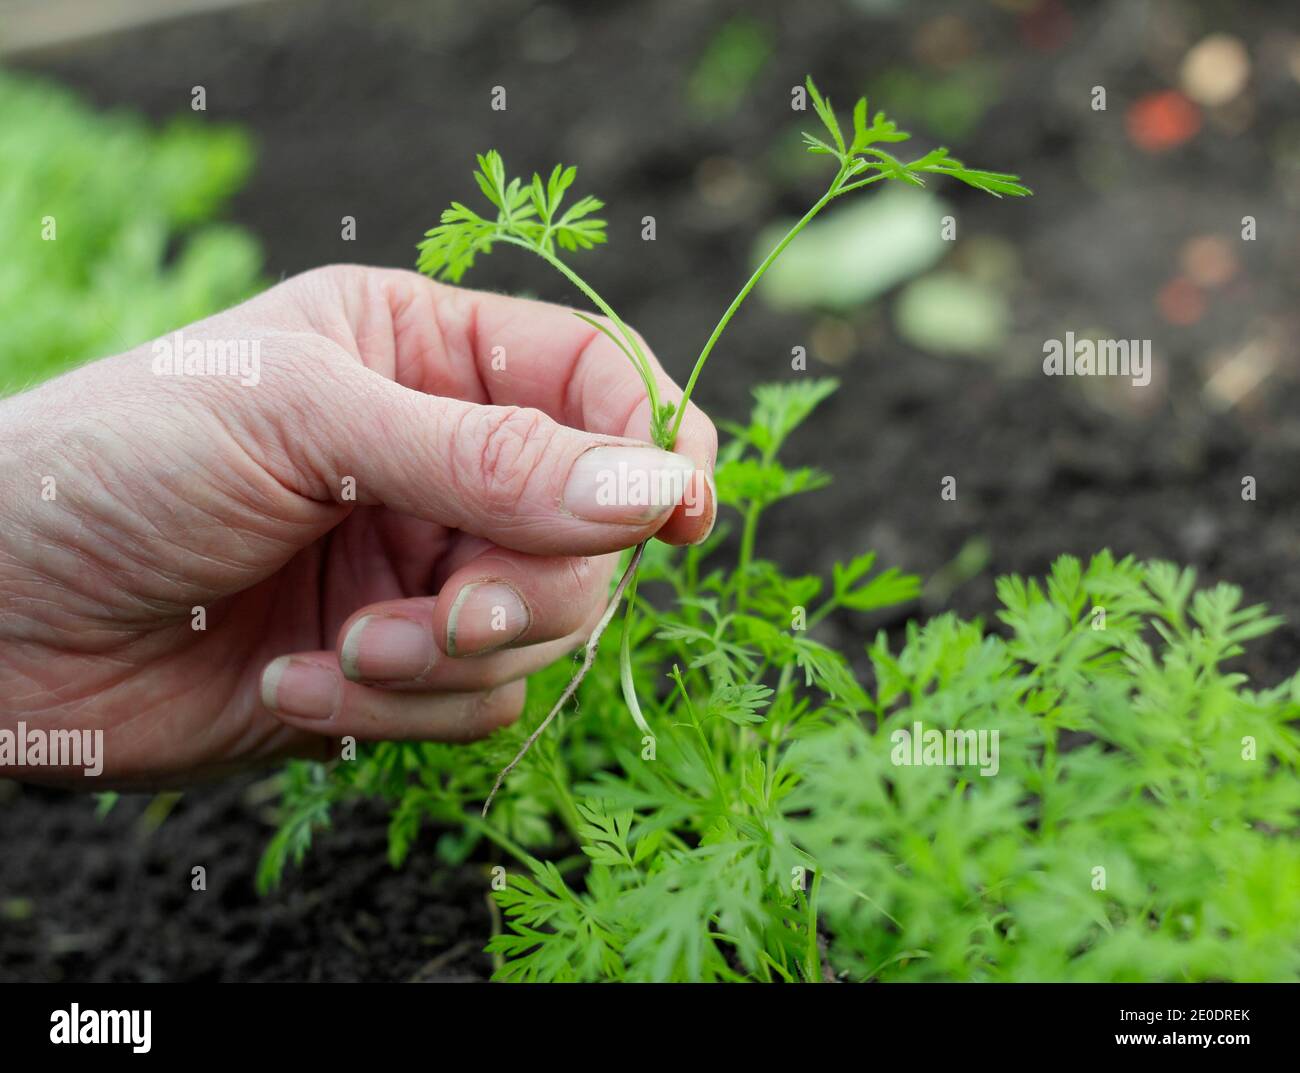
point(589, 657)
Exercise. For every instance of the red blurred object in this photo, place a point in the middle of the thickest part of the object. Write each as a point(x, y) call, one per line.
point(1161, 121)
point(1181, 301)
point(1046, 26)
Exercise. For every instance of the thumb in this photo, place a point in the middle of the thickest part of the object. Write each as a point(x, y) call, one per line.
point(508, 474)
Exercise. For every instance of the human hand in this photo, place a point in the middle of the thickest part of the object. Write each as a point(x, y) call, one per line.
point(413, 507)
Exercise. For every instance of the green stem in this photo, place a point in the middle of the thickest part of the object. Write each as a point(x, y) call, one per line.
point(861, 183)
point(626, 678)
point(708, 752)
point(643, 363)
point(773, 745)
point(813, 965)
point(775, 252)
point(492, 834)
point(830, 605)
point(568, 806)
point(748, 537)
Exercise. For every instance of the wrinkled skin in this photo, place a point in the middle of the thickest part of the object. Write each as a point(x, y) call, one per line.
point(383, 462)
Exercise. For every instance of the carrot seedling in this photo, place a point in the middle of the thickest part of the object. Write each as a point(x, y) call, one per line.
point(530, 215)
point(984, 803)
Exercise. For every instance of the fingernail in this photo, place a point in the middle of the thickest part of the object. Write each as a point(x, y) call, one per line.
point(299, 687)
point(485, 616)
point(382, 649)
point(712, 506)
point(628, 485)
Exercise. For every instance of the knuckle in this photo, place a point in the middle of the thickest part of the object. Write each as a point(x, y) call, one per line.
point(588, 578)
point(331, 279)
point(510, 445)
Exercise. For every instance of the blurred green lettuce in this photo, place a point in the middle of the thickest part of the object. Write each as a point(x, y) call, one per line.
point(133, 254)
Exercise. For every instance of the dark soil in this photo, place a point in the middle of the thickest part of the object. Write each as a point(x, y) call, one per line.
point(375, 111)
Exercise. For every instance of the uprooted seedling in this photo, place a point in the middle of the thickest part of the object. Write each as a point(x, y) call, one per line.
point(1124, 806)
point(530, 215)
